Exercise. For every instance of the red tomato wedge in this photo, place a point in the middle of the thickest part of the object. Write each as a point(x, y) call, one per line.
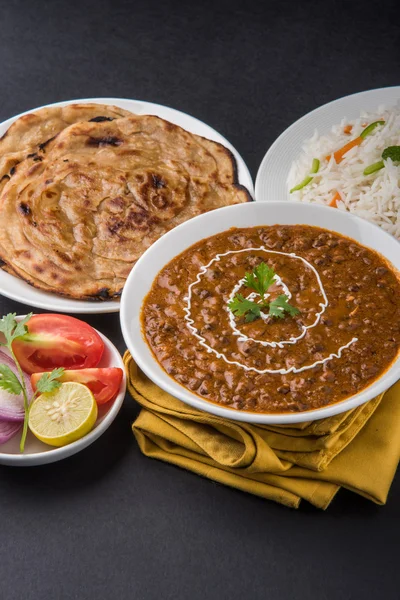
point(58, 341)
point(103, 383)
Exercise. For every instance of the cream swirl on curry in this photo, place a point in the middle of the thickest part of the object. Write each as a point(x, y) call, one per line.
point(242, 337)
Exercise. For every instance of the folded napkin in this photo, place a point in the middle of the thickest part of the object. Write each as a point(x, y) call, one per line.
point(358, 449)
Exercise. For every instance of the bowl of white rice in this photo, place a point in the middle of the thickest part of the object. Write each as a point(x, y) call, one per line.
point(351, 169)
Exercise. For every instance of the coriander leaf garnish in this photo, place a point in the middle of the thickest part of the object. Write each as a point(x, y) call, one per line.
point(260, 280)
point(240, 306)
point(9, 381)
point(12, 329)
point(280, 305)
point(49, 381)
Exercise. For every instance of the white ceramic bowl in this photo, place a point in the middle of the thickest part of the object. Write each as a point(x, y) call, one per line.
point(216, 221)
point(36, 453)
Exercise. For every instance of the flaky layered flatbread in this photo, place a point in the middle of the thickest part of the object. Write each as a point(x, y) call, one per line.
point(81, 211)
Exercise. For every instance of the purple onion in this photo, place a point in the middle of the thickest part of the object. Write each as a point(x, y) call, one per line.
point(8, 430)
point(12, 405)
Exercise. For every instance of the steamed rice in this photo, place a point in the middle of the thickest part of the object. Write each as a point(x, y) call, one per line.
point(374, 197)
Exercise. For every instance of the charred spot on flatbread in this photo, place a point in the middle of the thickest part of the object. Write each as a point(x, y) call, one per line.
point(100, 119)
point(107, 140)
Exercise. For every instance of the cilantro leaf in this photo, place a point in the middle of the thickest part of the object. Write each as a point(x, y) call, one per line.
point(9, 381)
point(240, 307)
point(392, 152)
point(7, 324)
point(12, 329)
point(261, 279)
point(280, 305)
point(253, 314)
point(49, 381)
point(21, 328)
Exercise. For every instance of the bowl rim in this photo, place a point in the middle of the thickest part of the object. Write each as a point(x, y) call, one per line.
point(154, 371)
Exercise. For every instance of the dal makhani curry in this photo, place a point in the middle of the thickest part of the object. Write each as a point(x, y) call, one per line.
point(274, 318)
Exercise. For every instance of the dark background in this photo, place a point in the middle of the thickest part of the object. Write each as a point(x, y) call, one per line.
point(110, 523)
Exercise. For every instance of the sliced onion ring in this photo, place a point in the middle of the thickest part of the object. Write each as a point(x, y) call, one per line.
point(11, 405)
point(8, 430)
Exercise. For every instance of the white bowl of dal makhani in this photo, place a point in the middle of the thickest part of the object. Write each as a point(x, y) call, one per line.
point(268, 312)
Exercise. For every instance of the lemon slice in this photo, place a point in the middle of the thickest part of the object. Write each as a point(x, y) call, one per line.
point(63, 416)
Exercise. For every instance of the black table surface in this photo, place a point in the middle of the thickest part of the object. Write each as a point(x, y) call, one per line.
point(109, 522)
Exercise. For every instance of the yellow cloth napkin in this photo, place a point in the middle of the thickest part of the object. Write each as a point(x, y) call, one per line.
point(359, 449)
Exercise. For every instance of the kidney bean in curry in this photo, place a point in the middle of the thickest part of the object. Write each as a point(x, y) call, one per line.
point(345, 335)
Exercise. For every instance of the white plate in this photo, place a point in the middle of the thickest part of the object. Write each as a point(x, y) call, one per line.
point(274, 169)
point(19, 290)
point(244, 215)
point(37, 453)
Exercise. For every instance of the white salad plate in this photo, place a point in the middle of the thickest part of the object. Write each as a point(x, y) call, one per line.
point(19, 290)
point(253, 214)
point(271, 180)
point(36, 453)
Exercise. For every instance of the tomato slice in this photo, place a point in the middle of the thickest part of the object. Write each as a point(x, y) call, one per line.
point(58, 341)
point(104, 383)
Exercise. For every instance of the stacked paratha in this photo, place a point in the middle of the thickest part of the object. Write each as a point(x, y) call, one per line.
point(89, 187)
